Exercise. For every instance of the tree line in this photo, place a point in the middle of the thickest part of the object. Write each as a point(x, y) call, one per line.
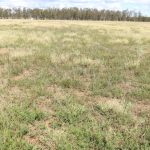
point(72, 14)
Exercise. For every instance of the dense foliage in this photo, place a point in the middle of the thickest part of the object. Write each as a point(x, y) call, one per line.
point(72, 14)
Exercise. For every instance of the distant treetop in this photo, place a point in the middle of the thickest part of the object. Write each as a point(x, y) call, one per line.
point(72, 14)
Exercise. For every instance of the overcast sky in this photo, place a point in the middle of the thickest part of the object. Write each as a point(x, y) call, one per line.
point(138, 5)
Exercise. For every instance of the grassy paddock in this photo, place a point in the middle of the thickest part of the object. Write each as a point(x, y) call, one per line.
point(74, 85)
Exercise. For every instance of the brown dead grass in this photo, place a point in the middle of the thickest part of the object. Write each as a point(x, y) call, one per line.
point(57, 92)
point(37, 136)
point(141, 107)
point(15, 52)
point(24, 74)
point(45, 106)
point(20, 53)
point(4, 51)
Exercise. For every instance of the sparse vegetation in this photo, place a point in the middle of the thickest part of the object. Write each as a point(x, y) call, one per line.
point(74, 85)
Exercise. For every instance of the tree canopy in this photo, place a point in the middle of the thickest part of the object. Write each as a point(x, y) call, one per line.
point(72, 14)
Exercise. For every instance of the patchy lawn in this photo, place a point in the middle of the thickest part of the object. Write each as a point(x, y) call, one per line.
point(74, 85)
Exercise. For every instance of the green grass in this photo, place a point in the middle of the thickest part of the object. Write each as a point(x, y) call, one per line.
point(74, 85)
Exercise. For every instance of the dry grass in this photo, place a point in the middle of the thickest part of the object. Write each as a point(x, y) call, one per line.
point(74, 85)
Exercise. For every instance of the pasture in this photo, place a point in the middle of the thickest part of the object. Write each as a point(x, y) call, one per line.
point(72, 85)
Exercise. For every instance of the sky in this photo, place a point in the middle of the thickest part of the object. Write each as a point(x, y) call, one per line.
point(138, 5)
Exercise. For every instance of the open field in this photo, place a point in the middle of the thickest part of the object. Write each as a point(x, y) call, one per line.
point(72, 85)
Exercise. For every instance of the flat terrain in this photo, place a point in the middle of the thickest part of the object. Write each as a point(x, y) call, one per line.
point(71, 85)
